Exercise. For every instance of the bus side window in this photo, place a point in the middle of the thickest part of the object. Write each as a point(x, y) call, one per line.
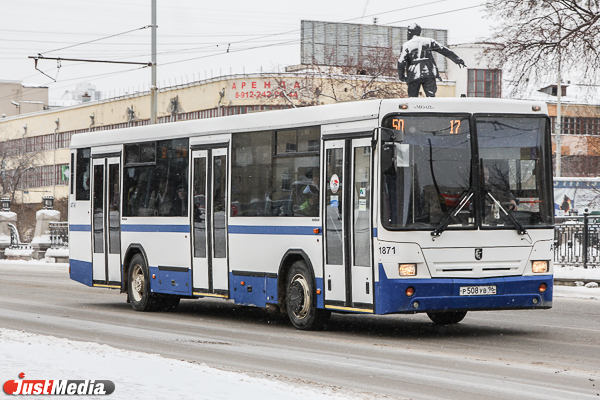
point(82, 187)
point(72, 174)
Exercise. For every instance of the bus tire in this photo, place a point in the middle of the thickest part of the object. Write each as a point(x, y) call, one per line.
point(447, 317)
point(301, 299)
point(138, 287)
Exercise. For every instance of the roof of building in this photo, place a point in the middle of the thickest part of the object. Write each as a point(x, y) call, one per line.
point(576, 94)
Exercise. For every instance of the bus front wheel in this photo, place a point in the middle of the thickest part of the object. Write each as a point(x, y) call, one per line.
point(301, 300)
point(447, 317)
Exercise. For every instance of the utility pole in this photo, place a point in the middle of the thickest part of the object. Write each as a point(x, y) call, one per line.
point(153, 88)
point(558, 122)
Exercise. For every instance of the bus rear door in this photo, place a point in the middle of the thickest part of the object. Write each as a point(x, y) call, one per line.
point(106, 220)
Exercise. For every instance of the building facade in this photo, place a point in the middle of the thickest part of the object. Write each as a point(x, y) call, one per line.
point(34, 147)
point(18, 98)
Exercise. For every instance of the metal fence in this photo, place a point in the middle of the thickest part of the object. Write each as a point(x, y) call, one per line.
point(576, 241)
point(59, 234)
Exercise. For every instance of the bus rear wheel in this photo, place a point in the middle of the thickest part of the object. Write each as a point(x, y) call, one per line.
point(447, 317)
point(301, 299)
point(138, 287)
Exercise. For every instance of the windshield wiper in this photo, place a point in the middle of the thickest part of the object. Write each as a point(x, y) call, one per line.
point(453, 212)
point(518, 225)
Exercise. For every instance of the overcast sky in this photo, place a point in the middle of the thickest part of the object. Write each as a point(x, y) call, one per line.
point(193, 36)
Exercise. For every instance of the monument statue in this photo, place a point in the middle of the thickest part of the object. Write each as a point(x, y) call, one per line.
point(416, 65)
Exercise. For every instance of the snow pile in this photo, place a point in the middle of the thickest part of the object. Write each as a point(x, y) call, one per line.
point(138, 375)
point(53, 254)
point(577, 292)
point(577, 273)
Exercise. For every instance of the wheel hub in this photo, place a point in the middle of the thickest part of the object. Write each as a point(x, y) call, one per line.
point(299, 296)
point(138, 283)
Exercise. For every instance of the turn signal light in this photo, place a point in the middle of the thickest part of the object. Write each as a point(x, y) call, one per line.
point(407, 269)
point(410, 291)
point(403, 106)
point(316, 231)
point(543, 287)
point(539, 267)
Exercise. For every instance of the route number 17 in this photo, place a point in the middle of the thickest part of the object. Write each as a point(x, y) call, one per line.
point(454, 126)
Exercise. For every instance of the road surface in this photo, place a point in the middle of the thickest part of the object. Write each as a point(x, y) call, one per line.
point(544, 354)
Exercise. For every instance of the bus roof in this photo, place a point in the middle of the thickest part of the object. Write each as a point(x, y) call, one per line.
point(305, 116)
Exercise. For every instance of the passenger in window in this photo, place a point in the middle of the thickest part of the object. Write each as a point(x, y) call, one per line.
point(307, 193)
point(179, 203)
point(163, 200)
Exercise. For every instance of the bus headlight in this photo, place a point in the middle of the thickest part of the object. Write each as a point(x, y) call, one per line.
point(407, 269)
point(539, 267)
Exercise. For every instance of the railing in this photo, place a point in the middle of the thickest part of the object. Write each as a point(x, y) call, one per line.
point(59, 234)
point(577, 241)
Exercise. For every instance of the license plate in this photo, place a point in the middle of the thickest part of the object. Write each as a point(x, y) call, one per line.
point(477, 290)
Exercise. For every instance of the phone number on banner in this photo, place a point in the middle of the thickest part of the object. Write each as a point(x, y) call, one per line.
point(258, 94)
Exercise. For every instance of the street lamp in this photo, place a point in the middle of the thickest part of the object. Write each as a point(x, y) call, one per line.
point(48, 202)
point(5, 203)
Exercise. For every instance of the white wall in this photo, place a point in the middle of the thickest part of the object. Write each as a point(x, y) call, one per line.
point(471, 53)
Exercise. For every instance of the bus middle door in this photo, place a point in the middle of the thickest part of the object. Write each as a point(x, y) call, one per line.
point(209, 222)
point(348, 277)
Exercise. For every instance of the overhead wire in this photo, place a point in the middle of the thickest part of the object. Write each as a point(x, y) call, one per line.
point(245, 40)
point(95, 40)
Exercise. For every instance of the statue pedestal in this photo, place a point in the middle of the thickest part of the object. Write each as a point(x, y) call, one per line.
point(6, 217)
point(41, 238)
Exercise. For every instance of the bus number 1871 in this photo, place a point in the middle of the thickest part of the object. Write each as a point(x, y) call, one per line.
point(387, 250)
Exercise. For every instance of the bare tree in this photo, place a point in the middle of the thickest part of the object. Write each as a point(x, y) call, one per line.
point(17, 162)
point(373, 76)
point(534, 37)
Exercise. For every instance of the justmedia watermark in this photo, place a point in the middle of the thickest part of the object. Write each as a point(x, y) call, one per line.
point(59, 387)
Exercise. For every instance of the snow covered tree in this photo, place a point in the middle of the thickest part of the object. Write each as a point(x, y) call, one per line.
point(534, 36)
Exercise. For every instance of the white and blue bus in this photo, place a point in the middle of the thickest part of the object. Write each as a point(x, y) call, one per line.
point(423, 205)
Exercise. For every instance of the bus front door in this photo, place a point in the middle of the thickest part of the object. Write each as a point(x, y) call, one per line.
point(348, 275)
point(209, 221)
point(106, 210)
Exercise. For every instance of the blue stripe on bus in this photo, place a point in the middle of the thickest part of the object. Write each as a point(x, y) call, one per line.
point(156, 228)
point(374, 232)
point(80, 228)
point(273, 230)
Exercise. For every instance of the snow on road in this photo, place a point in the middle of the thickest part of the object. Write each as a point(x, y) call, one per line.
point(140, 375)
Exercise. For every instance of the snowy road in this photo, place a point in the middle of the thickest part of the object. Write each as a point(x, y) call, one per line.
point(494, 355)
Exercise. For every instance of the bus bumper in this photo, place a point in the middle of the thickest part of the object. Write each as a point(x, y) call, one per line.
point(515, 292)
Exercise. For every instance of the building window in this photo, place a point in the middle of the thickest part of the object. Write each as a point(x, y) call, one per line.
point(484, 83)
point(578, 125)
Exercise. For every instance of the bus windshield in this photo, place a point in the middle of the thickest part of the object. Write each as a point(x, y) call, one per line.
point(512, 157)
point(429, 177)
point(427, 173)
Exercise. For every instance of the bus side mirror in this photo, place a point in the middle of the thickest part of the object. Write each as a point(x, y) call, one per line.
point(391, 135)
